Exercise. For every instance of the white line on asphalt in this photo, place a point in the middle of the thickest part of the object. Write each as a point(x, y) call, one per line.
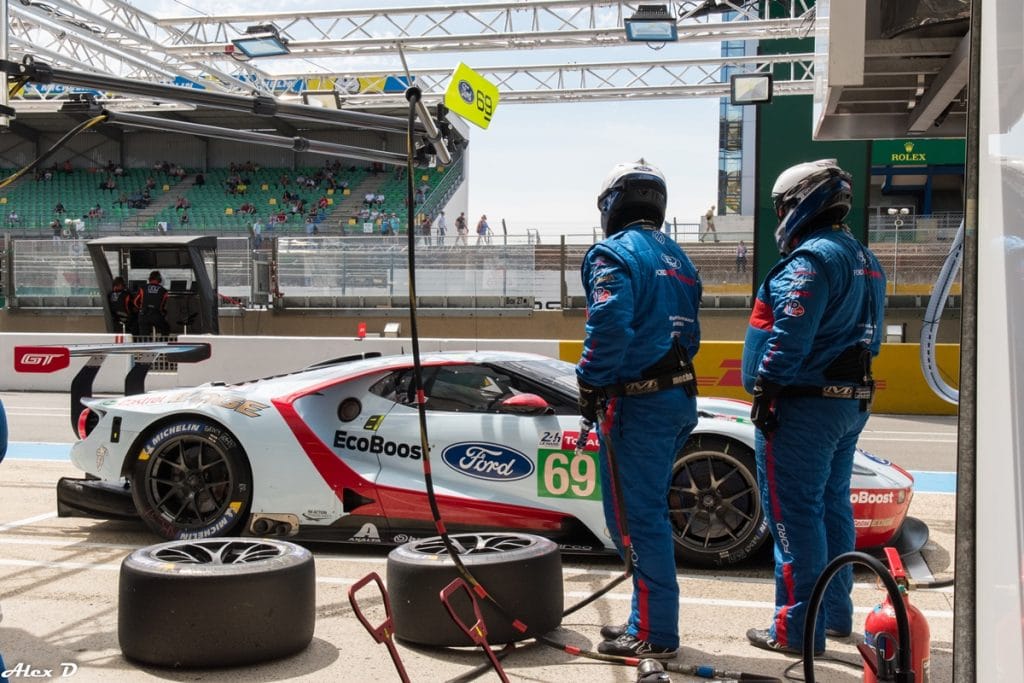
point(54, 542)
point(26, 521)
point(887, 439)
point(703, 602)
point(747, 604)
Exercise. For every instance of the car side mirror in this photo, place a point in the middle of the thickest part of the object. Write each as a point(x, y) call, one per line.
point(526, 404)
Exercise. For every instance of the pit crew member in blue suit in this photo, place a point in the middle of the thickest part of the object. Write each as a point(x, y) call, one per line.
point(815, 327)
point(636, 372)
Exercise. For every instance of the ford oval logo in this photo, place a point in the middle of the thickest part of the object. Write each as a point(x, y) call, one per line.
point(671, 261)
point(487, 461)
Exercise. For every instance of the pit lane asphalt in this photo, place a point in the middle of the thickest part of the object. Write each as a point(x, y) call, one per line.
point(58, 585)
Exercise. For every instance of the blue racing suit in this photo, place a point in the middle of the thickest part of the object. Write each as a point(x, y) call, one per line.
point(643, 294)
point(825, 298)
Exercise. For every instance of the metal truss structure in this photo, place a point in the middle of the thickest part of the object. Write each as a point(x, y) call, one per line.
point(117, 38)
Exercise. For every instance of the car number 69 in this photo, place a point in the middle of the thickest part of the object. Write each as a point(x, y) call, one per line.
point(569, 475)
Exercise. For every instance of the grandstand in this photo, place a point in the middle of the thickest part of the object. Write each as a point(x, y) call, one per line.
point(214, 206)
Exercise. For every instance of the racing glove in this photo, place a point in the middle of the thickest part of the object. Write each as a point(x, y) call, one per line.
point(589, 397)
point(761, 413)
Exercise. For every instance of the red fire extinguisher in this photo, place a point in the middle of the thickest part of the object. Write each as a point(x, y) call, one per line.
point(880, 641)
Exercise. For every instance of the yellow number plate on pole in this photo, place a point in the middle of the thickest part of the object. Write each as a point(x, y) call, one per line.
point(471, 96)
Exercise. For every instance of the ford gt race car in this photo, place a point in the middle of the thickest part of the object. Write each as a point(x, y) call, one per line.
point(333, 453)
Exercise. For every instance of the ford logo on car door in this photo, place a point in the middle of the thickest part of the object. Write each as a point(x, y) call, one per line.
point(487, 461)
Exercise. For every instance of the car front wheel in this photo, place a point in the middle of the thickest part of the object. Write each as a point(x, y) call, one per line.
point(714, 503)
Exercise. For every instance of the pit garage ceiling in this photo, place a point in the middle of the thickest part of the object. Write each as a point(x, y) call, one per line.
point(891, 69)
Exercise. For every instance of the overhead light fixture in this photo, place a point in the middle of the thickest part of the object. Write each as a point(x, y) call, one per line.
point(651, 24)
point(261, 40)
point(328, 99)
point(750, 89)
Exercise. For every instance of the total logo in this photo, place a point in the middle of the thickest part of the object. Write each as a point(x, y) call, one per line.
point(884, 498)
point(487, 461)
point(570, 439)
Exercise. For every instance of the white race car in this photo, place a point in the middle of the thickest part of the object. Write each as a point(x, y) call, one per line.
point(333, 453)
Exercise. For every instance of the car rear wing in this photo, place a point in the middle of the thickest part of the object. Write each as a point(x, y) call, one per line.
point(46, 359)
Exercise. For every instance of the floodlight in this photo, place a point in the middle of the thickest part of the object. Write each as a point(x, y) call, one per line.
point(392, 329)
point(261, 40)
point(750, 89)
point(651, 24)
point(328, 99)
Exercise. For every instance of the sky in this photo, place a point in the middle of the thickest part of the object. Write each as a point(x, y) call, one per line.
point(541, 165)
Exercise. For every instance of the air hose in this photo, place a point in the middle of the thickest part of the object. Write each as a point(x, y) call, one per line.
point(932, 316)
point(904, 671)
point(413, 95)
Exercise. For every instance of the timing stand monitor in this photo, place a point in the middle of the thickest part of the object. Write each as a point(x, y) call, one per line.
point(188, 266)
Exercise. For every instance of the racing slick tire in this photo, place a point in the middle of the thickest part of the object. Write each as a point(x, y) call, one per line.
point(191, 480)
point(715, 503)
point(216, 602)
point(522, 571)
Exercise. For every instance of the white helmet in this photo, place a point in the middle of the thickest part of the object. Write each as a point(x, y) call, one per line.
point(808, 196)
point(634, 191)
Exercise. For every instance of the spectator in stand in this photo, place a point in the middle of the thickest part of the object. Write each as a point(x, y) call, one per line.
point(67, 166)
point(56, 227)
point(368, 198)
point(322, 203)
point(257, 233)
point(109, 185)
point(184, 218)
point(483, 231)
point(419, 197)
point(442, 228)
point(382, 226)
point(59, 208)
point(247, 209)
point(709, 222)
point(741, 257)
point(13, 218)
point(118, 171)
point(96, 212)
point(181, 203)
point(150, 183)
point(200, 180)
point(122, 199)
point(461, 230)
point(396, 224)
point(283, 180)
point(425, 225)
point(379, 200)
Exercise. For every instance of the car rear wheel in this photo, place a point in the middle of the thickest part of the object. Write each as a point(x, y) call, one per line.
point(714, 503)
point(192, 481)
point(216, 602)
point(522, 571)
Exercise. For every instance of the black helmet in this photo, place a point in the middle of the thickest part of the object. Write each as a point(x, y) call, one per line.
point(632, 192)
point(810, 195)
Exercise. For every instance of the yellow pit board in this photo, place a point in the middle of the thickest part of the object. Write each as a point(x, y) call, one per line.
point(471, 96)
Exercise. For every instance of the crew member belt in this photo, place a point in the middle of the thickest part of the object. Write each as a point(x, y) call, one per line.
point(857, 392)
point(684, 378)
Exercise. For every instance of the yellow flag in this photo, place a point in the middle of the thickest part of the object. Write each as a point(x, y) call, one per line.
point(471, 96)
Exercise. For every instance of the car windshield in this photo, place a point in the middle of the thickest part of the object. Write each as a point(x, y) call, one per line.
point(559, 375)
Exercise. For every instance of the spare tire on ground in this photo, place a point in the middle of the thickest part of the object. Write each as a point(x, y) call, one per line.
point(522, 571)
point(216, 602)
